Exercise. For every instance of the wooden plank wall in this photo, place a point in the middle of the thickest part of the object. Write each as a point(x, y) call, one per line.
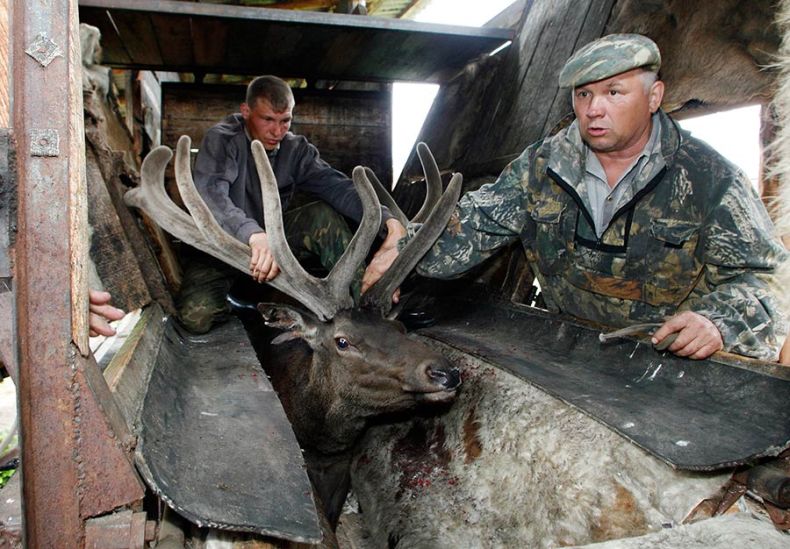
point(348, 127)
point(124, 261)
point(515, 100)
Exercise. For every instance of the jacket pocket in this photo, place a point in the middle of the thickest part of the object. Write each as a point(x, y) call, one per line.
point(548, 248)
point(672, 267)
point(674, 233)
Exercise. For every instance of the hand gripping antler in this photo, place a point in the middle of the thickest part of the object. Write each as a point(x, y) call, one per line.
point(434, 214)
point(334, 289)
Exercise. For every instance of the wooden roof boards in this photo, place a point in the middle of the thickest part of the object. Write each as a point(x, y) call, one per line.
point(169, 35)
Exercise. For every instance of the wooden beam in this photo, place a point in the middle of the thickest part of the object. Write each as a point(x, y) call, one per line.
point(304, 5)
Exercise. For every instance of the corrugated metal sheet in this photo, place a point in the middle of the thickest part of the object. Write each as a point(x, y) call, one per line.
point(214, 38)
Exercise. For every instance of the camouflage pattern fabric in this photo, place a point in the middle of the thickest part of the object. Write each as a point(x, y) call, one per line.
point(608, 56)
point(696, 237)
point(314, 231)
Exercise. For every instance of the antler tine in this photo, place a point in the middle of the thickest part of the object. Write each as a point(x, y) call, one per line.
point(386, 198)
point(380, 295)
point(151, 197)
point(433, 182)
point(197, 231)
point(305, 288)
point(344, 270)
point(230, 249)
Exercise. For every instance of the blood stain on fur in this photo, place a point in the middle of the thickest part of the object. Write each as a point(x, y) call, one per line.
point(622, 519)
point(421, 458)
point(472, 445)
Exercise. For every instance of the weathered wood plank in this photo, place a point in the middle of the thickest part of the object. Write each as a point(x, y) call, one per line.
point(590, 29)
point(5, 102)
point(129, 370)
point(110, 142)
point(551, 31)
point(108, 477)
point(120, 530)
point(453, 121)
point(348, 127)
point(209, 42)
point(110, 250)
point(295, 43)
point(178, 39)
point(139, 37)
point(74, 148)
point(523, 100)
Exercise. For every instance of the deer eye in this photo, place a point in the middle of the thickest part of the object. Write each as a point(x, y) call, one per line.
point(342, 343)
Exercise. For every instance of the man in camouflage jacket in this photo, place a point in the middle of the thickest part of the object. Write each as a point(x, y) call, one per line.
point(625, 218)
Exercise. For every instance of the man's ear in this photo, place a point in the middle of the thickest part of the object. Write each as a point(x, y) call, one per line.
point(656, 95)
point(297, 324)
point(244, 109)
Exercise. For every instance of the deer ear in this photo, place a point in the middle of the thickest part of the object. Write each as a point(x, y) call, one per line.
point(298, 324)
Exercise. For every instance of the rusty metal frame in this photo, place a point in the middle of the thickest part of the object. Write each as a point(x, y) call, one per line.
point(75, 449)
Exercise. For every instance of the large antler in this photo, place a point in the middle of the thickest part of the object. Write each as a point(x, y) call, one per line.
point(324, 297)
point(434, 214)
point(433, 183)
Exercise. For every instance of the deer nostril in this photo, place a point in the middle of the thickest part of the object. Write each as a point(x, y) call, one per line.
point(449, 378)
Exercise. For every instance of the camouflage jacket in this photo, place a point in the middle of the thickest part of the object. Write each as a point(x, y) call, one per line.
point(696, 237)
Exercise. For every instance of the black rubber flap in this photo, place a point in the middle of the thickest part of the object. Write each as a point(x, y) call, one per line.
point(215, 443)
point(695, 415)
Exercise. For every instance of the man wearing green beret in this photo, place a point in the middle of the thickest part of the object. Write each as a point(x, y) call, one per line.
point(625, 218)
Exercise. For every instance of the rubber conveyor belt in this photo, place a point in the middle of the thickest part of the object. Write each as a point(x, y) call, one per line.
point(215, 442)
point(695, 415)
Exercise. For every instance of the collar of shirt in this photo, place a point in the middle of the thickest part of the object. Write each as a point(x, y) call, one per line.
point(603, 201)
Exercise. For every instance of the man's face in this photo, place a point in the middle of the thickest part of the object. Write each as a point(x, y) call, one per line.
point(265, 124)
point(614, 114)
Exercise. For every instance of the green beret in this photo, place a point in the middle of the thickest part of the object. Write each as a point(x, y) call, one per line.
point(607, 56)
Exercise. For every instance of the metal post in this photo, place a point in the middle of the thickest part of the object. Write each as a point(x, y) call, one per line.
point(73, 464)
point(42, 93)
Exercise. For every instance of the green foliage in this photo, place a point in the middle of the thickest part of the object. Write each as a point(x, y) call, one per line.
point(5, 476)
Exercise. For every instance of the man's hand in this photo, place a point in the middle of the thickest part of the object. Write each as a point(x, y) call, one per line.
point(697, 337)
point(101, 312)
point(384, 256)
point(263, 267)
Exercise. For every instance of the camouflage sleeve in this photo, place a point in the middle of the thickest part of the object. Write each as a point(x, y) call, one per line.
point(483, 221)
point(738, 291)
